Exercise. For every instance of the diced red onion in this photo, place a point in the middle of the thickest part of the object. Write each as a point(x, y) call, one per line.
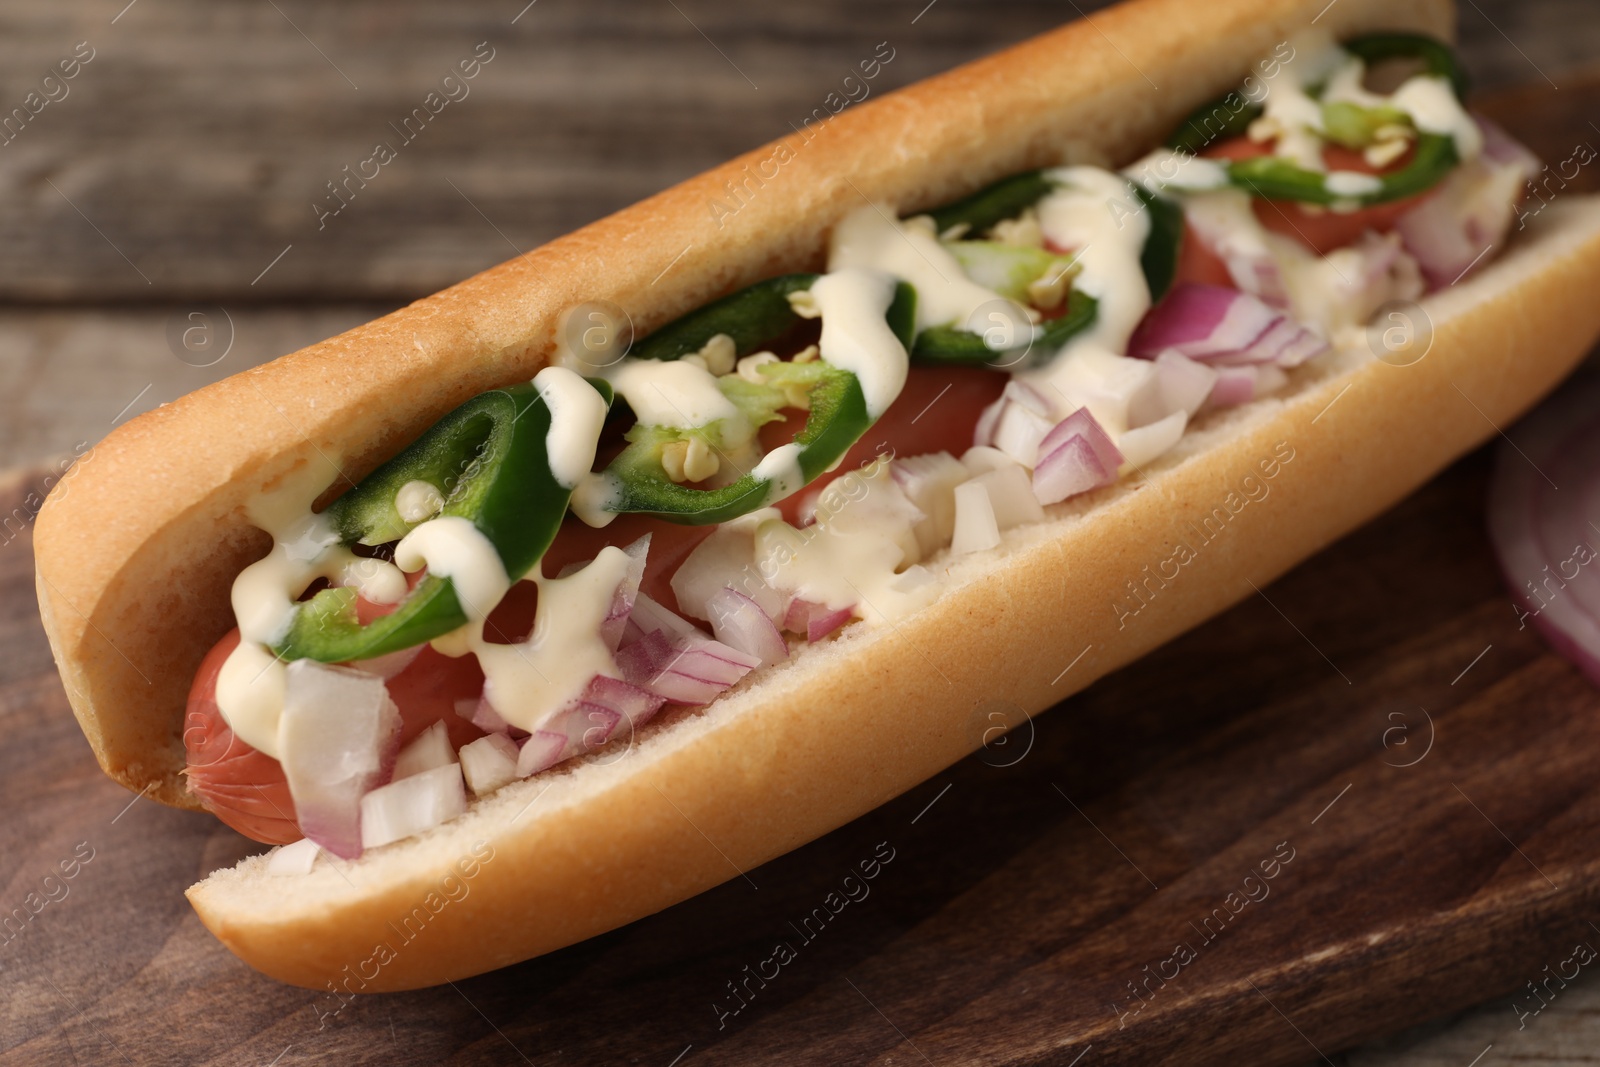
point(587, 724)
point(1543, 536)
point(338, 737)
point(684, 669)
point(824, 622)
point(725, 559)
point(1471, 211)
point(489, 763)
point(411, 805)
point(648, 617)
point(1235, 386)
point(1222, 326)
point(976, 526)
point(1016, 422)
point(1075, 457)
point(429, 749)
point(738, 622)
point(1143, 444)
point(616, 621)
point(540, 751)
point(815, 620)
point(482, 714)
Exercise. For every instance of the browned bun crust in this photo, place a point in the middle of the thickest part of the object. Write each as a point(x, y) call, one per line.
point(137, 549)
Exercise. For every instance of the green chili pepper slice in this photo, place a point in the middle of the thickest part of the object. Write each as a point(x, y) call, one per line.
point(948, 345)
point(754, 316)
point(1005, 199)
point(1218, 120)
point(838, 407)
point(1275, 178)
point(488, 458)
point(1437, 57)
point(1162, 247)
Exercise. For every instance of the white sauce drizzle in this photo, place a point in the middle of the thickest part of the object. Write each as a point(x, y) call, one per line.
point(1432, 105)
point(577, 415)
point(595, 496)
point(855, 335)
point(1184, 171)
point(671, 393)
point(250, 691)
point(1289, 110)
point(530, 681)
point(452, 547)
point(250, 686)
point(781, 467)
point(1351, 183)
point(418, 500)
point(1098, 213)
point(873, 238)
point(851, 555)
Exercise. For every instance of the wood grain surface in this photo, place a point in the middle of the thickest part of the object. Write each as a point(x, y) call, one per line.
point(1417, 776)
point(1429, 766)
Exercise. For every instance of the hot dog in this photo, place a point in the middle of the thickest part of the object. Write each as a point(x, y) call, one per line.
point(1091, 359)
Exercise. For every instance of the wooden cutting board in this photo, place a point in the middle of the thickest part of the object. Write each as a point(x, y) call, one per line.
point(1360, 799)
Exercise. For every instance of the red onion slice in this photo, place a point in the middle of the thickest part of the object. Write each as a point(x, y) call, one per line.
point(815, 620)
point(337, 740)
point(1543, 535)
point(740, 623)
point(615, 623)
point(684, 669)
point(1074, 457)
point(1470, 211)
point(1222, 327)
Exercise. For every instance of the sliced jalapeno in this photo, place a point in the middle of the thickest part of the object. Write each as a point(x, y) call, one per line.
point(838, 408)
point(488, 460)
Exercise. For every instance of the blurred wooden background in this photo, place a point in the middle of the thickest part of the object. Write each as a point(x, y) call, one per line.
point(158, 210)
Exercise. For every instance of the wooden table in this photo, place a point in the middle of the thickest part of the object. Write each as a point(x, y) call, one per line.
point(173, 189)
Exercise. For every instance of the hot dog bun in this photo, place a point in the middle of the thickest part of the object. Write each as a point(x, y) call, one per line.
point(136, 550)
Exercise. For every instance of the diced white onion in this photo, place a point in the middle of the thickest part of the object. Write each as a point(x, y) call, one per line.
point(335, 739)
point(1140, 446)
point(295, 858)
point(1011, 496)
point(976, 529)
point(429, 749)
point(929, 482)
point(402, 809)
point(489, 763)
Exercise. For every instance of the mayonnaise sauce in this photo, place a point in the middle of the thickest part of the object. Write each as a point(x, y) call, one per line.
point(531, 680)
point(452, 547)
point(855, 336)
point(852, 555)
point(670, 393)
point(872, 237)
point(1098, 214)
point(577, 415)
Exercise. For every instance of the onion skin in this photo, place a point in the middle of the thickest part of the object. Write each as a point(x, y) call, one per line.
point(1546, 546)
